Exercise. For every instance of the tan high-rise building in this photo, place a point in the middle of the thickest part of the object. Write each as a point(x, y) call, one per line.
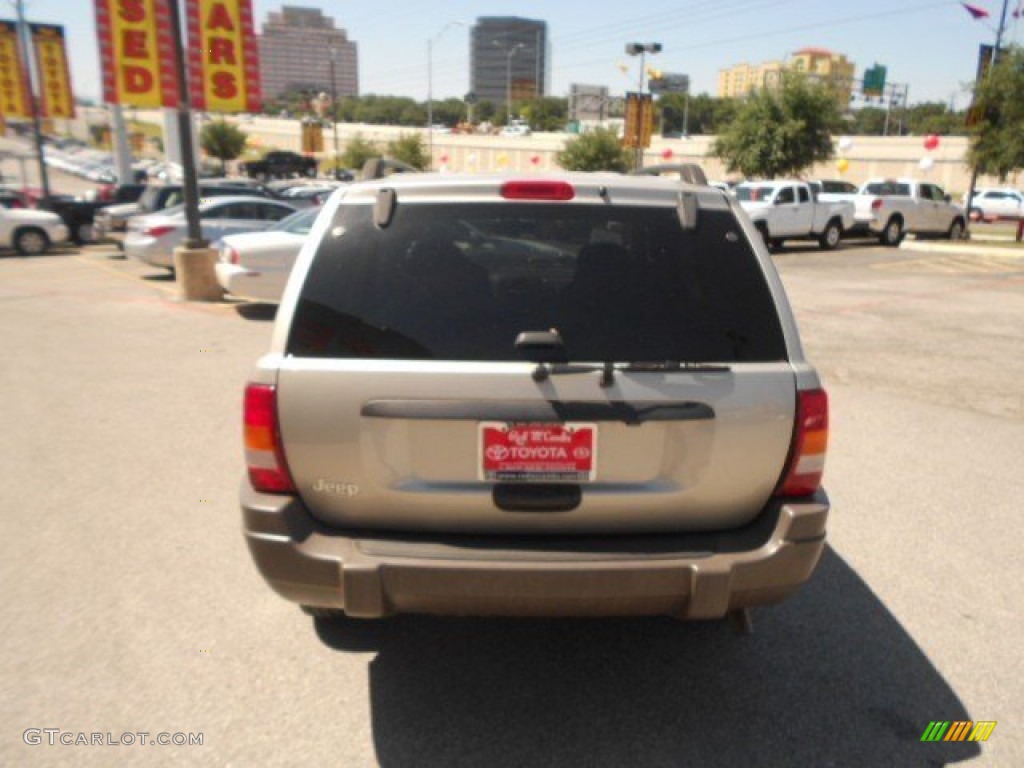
point(296, 48)
point(817, 63)
point(744, 78)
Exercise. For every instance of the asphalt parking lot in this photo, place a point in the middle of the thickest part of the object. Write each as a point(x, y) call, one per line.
point(132, 605)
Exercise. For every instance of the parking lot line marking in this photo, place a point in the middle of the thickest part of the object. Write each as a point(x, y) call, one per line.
point(97, 263)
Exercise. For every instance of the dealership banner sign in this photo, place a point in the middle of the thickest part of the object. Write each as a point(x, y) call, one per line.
point(14, 94)
point(224, 73)
point(52, 71)
point(137, 53)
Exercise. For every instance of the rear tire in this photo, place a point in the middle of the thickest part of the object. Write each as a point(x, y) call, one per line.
point(892, 235)
point(831, 236)
point(31, 241)
point(84, 233)
point(956, 230)
point(330, 614)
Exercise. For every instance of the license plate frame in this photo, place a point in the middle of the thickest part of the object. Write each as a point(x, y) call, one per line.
point(537, 452)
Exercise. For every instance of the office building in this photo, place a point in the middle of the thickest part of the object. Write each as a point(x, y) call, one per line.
point(506, 54)
point(296, 47)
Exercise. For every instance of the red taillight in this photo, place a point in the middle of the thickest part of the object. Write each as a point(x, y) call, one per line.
point(157, 231)
point(229, 255)
point(537, 190)
point(810, 440)
point(876, 204)
point(264, 454)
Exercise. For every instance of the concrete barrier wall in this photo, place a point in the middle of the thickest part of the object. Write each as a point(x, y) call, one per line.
point(868, 157)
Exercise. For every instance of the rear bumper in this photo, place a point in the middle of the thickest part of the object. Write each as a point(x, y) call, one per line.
point(246, 284)
point(371, 575)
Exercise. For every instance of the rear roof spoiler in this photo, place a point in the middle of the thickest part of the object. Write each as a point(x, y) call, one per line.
point(691, 173)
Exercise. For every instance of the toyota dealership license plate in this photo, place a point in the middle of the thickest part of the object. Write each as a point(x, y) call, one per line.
point(551, 453)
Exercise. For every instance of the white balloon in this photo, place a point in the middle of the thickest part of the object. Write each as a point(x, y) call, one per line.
point(926, 163)
point(845, 143)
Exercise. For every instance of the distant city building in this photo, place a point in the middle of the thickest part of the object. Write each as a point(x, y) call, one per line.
point(296, 47)
point(492, 41)
point(817, 63)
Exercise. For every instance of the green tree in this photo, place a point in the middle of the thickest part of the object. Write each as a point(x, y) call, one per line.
point(357, 151)
point(780, 133)
point(596, 150)
point(868, 121)
point(997, 135)
point(544, 114)
point(222, 140)
point(408, 148)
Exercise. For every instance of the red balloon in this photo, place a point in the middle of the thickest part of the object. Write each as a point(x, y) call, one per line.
point(444, 158)
point(667, 153)
point(931, 141)
point(535, 159)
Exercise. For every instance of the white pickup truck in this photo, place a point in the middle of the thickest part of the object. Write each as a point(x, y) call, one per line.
point(890, 208)
point(789, 210)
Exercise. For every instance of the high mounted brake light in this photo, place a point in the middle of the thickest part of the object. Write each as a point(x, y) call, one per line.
point(537, 190)
point(807, 452)
point(264, 454)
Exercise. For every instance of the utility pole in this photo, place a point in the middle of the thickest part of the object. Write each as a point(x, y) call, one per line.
point(995, 60)
point(642, 49)
point(37, 127)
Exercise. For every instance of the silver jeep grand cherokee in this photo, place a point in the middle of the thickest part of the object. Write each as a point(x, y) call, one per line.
point(564, 395)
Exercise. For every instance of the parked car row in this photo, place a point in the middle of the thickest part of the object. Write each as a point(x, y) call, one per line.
point(826, 211)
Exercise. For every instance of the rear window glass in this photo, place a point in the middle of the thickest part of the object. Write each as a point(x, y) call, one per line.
point(748, 194)
point(887, 189)
point(461, 282)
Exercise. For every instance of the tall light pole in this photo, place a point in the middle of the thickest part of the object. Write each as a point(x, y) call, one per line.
point(430, 84)
point(641, 49)
point(334, 110)
point(508, 81)
point(33, 103)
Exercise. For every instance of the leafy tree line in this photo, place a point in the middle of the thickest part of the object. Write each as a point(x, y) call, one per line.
point(704, 115)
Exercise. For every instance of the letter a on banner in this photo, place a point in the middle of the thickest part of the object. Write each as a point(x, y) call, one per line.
point(137, 53)
point(14, 96)
point(52, 71)
point(224, 71)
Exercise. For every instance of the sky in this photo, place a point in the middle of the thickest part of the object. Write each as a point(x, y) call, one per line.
point(930, 46)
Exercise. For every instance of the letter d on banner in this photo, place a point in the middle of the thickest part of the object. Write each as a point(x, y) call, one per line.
point(137, 53)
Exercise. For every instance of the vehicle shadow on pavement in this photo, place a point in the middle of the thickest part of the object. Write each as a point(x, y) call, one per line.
point(262, 313)
point(828, 678)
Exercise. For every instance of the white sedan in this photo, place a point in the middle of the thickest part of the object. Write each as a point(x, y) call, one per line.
point(256, 266)
point(30, 232)
point(153, 238)
point(997, 204)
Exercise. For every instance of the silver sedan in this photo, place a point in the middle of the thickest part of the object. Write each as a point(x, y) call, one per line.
point(153, 238)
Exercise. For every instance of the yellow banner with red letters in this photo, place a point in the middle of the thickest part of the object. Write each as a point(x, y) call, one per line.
point(224, 73)
point(137, 53)
point(52, 71)
point(14, 95)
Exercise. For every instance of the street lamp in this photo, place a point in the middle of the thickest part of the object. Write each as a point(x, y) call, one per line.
point(508, 81)
point(334, 110)
point(641, 50)
point(430, 84)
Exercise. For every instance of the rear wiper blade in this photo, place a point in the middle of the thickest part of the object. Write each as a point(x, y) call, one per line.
point(676, 365)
